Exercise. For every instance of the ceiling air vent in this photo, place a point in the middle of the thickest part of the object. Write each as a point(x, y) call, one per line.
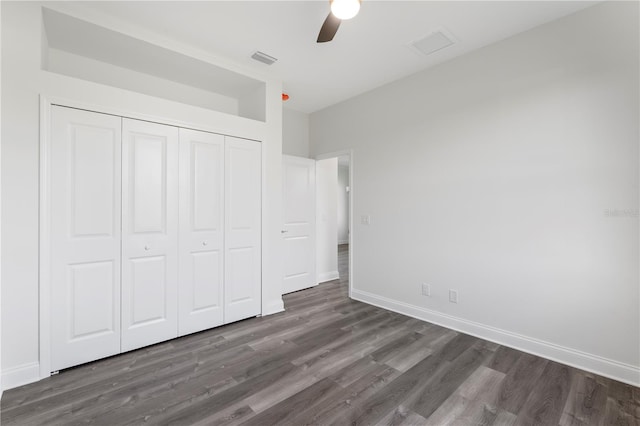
point(263, 57)
point(433, 42)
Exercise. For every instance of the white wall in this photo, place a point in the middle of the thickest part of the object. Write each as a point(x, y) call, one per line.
point(327, 220)
point(343, 204)
point(493, 174)
point(295, 133)
point(23, 82)
point(100, 72)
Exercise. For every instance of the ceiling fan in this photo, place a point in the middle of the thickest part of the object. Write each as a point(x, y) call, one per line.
point(341, 10)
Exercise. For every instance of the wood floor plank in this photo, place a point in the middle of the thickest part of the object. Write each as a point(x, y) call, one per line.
point(325, 360)
point(203, 380)
point(616, 414)
point(281, 388)
point(504, 358)
point(394, 347)
point(355, 371)
point(95, 372)
point(402, 416)
point(505, 418)
point(284, 412)
point(363, 338)
point(410, 354)
point(21, 412)
point(459, 410)
point(546, 402)
point(413, 354)
point(477, 413)
point(339, 409)
point(482, 385)
point(200, 409)
point(626, 396)
point(228, 417)
point(586, 403)
point(519, 382)
point(411, 382)
point(442, 385)
point(450, 410)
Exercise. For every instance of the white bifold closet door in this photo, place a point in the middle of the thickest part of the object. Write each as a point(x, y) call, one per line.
point(242, 247)
point(149, 233)
point(85, 158)
point(201, 289)
point(155, 233)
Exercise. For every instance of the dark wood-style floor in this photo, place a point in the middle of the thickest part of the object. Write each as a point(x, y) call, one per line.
point(326, 360)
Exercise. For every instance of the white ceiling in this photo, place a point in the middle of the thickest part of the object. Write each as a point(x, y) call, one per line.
point(370, 50)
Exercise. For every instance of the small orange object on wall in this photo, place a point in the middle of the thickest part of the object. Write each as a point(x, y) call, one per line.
point(285, 97)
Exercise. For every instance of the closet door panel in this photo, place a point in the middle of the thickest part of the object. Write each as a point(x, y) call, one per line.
point(150, 233)
point(243, 175)
point(201, 287)
point(241, 264)
point(85, 236)
point(148, 290)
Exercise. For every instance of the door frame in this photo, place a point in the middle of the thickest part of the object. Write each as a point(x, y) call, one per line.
point(254, 131)
point(335, 154)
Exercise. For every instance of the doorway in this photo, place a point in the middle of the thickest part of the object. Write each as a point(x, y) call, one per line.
point(334, 214)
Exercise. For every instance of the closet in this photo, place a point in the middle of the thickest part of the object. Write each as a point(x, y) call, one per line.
point(155, 233)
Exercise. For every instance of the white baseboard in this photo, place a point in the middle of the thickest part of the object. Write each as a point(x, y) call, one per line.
point(20, 375)
point(273, 307)
point(328, 276)
point(622, 372)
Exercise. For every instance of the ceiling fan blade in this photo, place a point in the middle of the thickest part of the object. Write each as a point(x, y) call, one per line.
point(329, 29)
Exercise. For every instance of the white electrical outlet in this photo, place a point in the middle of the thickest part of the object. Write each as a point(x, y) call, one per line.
point(426, 289)
point(453, 296)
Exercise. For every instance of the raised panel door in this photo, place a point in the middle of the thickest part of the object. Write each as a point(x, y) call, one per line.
point(85, 236)
point(299, 212)
point(201, 289)
point(243, 265)
point(149, 233)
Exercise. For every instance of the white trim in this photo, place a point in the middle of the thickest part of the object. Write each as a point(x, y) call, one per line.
point(271, 300)
point(327, 276)
point(351, 230)
point(340, 153)
point(341, 242)
point(251, 129)
point(45, 240)
point(335, 154)
point(20, 375)
point(605, 367)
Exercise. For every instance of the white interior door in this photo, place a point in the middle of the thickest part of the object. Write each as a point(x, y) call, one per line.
point(149, 233)
point(201, 250)
point(243, 265)
point(85, 236)
point(299, 227)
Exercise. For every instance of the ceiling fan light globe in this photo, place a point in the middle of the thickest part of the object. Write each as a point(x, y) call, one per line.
point(345, 9)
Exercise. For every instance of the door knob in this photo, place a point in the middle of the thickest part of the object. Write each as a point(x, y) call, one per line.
point(147, 248)
point(204, 243)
